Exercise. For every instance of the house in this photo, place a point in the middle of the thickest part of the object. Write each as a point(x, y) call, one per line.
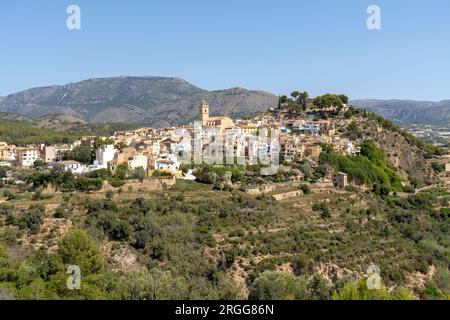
point(103, 155)
point(340, 180)
point(88, 141)
point(27, 156)
point(138, 161)
point(71, 165)
point(291, 147)
point(249, 129)
point(303, 126)
point(167, 162)
point(4, 151)
point(313, 152)
point(49, 154)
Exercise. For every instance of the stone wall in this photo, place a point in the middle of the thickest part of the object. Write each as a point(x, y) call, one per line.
point(146, 185)
point(287, 195)
point(280, 187)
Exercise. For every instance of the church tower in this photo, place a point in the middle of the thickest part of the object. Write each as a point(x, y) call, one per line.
point(204, 112)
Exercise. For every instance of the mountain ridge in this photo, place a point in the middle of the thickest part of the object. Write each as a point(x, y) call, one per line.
point(409, 111)
point(169, 101)
point(156, 101)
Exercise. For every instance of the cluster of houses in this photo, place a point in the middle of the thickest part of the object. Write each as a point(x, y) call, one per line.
point(166, 149)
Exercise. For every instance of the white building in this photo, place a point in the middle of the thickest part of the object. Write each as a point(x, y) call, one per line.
point(138, 161)
point(167, 162)
point(103, 155)
point(71, 165)
point(27, 156)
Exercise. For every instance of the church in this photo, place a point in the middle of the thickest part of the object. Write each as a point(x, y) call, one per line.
point(222, 123)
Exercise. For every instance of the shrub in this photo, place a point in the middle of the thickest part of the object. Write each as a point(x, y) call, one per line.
point(277, 286)
point(32, 219)
point(61, 212)
point(116, 182)
point(322, 208)
point(8, 195)
point(109, 194)
point(120, 231)
point(305, 188)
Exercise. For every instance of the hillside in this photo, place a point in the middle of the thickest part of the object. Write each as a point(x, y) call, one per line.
point(58, 128)
point(409, 111)
point(405, 152)
point(218, 238)
point(14, 117)
point(154, 101)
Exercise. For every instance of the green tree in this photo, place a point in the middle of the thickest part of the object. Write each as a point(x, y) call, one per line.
point(78, 248)
point(121, 171)
point(38, 163)
point(328, 100)
point(303, 99)
point(83, 154)
point(295, 95)
point(343, 98)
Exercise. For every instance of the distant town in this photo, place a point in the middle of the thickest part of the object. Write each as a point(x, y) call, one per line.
point(162, 150)
point(277, 134)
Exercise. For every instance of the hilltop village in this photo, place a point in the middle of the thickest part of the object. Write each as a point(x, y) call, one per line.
point(295, 134)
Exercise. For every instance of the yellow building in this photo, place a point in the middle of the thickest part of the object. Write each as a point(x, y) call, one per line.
point(222, 123)
point(249, 129)
point(4, 151)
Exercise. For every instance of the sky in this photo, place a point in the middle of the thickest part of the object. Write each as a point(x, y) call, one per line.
point(278, 46)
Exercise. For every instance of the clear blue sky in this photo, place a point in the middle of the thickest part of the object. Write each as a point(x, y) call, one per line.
point(275, 45)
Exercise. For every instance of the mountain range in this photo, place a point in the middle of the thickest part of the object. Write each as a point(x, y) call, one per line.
point(409, 111)
point(154, 101)
point(161, 102)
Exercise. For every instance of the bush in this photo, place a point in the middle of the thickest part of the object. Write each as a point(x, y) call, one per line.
point(8, 195)
point(120, 231)
point(438, 167)
point(109, 194)
point(116, 183)
point(32, 219)
point(61, 213)
point(305, 188)
point(89, 184)
point(322, 208)
point(277, 286)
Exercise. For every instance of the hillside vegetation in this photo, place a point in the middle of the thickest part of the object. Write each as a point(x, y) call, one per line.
point(202, 244)
point(52, 130)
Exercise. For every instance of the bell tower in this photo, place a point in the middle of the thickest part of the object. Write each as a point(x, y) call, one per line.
point(204, 112)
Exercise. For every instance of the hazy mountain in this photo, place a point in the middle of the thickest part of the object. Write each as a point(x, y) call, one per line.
point(154, 101)
point(409, 111)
